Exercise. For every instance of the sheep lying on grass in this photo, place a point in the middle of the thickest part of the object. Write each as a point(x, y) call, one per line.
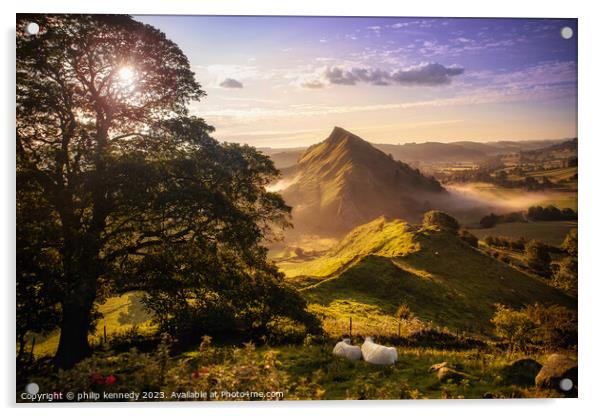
point(378, 354)
point(346, 350)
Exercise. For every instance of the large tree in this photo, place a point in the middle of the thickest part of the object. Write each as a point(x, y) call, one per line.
point(121, 172)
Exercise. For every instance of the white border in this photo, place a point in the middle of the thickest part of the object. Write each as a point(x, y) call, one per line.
point(589, 173)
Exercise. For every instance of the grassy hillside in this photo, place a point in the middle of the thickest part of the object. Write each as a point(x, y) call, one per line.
point(384, 264)
point(376, 237)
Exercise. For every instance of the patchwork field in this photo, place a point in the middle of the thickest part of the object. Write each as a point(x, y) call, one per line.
point(549, 232)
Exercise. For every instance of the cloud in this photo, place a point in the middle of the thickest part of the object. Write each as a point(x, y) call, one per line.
point(427, 74)
point(424, 74)
point(312, 84)
point(230, 83)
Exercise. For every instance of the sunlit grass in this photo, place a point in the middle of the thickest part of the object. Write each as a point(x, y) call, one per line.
point(379, 237)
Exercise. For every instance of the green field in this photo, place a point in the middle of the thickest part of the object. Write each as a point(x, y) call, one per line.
point(555, 175)
point(549, 232)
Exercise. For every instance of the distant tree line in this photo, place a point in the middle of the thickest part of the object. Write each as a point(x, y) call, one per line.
point(534, 213)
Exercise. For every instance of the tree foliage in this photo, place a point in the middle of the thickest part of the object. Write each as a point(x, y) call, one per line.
point(442, 220)
point(536, 325)
point(538, 257)
point(571, 243)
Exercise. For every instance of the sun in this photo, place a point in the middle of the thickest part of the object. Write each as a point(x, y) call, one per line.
point(126, 74)
point(126, 80)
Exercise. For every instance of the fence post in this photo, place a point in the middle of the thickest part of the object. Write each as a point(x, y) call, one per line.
point(350, 327)
point(398, 329)
point(33, 345)
point(105, 333)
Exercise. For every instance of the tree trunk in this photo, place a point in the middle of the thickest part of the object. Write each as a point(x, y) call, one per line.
point(21, 351)
point(73, 341)
point(82, 261)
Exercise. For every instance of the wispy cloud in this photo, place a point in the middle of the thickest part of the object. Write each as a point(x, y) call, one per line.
point(312, 84)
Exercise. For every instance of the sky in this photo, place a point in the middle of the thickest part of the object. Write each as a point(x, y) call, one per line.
point(287, 81)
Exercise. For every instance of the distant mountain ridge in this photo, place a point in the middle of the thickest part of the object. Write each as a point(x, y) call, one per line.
point(430, 152)
point(344, 181)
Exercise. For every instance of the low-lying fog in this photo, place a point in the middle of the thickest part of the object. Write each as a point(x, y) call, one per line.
point(502, 200)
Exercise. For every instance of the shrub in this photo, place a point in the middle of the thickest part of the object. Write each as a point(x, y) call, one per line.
point(565, 277)
point(555, 325)
point(241, 370)
point(536, 325)
point(570, 243)
point(283, 330)
point(469, 238)
point(441, 338)
point(538, 257)
point(441, 220)
point(110, 372)
point(505, 242)
point(489, 221)
point(512, 326)
point(134, 338)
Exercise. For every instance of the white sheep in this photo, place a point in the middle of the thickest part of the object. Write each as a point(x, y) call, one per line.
point(378, 354)
point(346, 350)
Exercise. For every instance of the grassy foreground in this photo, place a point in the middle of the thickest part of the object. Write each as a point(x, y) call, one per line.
point(409, 378)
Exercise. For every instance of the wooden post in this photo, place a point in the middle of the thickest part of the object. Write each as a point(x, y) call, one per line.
point(33, 345)
point(399, 329)
point(350, 326)
point(105, 333)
